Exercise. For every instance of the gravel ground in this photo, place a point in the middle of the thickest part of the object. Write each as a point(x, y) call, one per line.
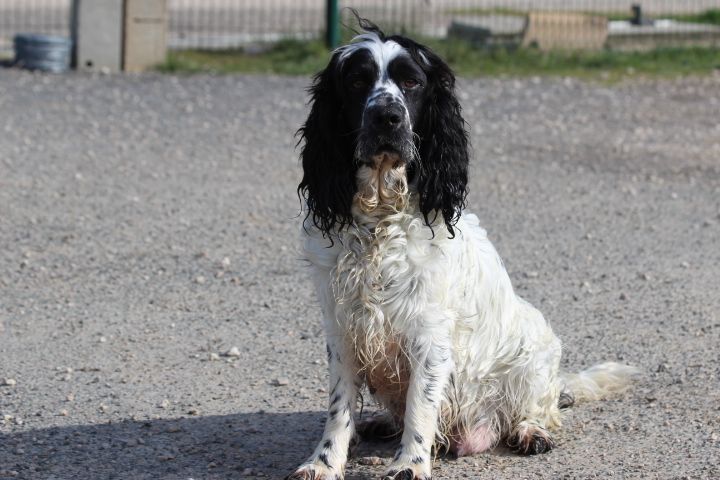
point(148, 225)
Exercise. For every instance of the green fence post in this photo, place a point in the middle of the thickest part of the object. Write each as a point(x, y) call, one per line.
point(332, 34)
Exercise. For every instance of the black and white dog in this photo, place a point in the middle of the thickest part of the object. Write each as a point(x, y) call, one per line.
point(416, 302)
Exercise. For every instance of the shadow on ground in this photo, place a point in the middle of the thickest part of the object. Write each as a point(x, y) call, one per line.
point(245, 445)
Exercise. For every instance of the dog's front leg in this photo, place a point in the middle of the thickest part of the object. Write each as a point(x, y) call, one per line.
point(328, 460)
point(431, 366)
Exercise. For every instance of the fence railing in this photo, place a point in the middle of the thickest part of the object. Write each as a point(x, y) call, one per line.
point(213, 24)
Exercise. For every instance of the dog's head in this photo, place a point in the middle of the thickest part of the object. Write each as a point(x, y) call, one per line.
point(384, 102)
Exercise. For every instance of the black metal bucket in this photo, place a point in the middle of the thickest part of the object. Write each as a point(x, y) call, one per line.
point(43, 52)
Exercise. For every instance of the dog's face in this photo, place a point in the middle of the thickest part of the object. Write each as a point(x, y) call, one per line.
point(386, 103)
point(383, 90)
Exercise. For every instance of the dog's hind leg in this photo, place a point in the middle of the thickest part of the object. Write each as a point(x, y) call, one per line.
point(535, 386)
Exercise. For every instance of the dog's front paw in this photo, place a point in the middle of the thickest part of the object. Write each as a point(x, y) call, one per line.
point(409, 468)
point(314, 471)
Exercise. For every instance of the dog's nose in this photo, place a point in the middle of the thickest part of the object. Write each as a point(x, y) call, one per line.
point(387, 117)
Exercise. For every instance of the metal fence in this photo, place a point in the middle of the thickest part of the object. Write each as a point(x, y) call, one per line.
point(214, 24)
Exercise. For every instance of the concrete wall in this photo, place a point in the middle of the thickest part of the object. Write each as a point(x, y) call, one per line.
point(97, 31)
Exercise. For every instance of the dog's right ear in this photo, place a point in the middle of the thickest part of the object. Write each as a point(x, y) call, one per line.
point(328, 183)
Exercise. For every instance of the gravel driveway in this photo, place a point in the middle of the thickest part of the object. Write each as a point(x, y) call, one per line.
point(155, 318)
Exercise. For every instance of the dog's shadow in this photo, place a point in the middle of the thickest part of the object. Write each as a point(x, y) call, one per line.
point(247, 445)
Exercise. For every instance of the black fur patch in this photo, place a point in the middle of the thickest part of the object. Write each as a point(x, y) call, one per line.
point(323, 458)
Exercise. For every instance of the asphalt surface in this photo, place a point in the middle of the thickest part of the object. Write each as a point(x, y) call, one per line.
point(148, 225)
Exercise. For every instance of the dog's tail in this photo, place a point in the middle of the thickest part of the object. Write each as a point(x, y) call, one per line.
point(596, 382)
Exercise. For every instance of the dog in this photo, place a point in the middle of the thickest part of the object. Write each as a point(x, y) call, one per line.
point(416, 302)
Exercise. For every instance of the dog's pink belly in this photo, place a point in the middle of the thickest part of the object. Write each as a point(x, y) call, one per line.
point(480, 439)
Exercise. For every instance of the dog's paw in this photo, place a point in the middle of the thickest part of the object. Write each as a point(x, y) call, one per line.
point(531, 440)
point(314, 472)
point(406, 467)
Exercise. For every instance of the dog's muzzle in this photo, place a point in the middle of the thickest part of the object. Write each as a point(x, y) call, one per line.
point(386, 130)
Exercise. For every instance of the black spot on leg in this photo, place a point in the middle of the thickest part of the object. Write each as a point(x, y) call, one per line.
point(347, 424)
point(429, 364)
point(323, 458)
point(417, 460)
point(399, 452)
point(329, 352)
point(332, 392)
point(418, 438)
point(332, 413)
point(429, 390)
point(327, 444)
point(335, 399)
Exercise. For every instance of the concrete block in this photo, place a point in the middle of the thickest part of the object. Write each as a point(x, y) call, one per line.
point(97, 32)
point(145, 42)
point(565, 31)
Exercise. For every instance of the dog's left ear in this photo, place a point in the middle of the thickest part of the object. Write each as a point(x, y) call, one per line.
point(444, 157)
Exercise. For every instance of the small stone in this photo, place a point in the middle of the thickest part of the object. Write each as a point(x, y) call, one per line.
point(371, 461)
point(684, 264)
point(103, 408)
point(213, 356)
point(63, 412)
point(532, 274)
point(102, 339)
point(164, 404)
point(193, 411)
point(623, 296)
point(173, 429)
point(281, 382)
point(166, 458)
point(9, 382)
point(247, 472)
point(70, 397)
point(225, 262)
point(233, 352)
point(200, 280)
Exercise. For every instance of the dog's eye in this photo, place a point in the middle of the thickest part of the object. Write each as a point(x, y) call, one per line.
point(409, 83)
point(358, 84)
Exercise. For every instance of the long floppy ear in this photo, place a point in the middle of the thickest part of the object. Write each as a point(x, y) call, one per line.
point(328, 183)
point(442, 173)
